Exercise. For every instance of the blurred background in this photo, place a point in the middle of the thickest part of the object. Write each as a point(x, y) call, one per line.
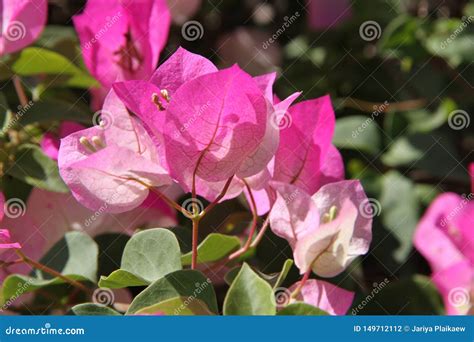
point(401, 78)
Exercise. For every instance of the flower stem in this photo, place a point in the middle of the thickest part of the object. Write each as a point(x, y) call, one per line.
point(194, 259)
point(50, 271)
point(20, 91)
point(303, 281)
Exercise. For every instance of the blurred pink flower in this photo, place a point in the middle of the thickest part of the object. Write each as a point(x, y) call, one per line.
point(445, 238)
point(122, 40)
point(326, 15)
point(182, 10)
point(21, 22)
point(325, 296)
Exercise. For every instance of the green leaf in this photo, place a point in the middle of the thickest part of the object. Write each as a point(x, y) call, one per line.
point(148, 256)
point(400, 210)
point(411, 296)
point(213, 248)
point(53, 109)
point(359, 133)
point(91, 309)
point(34, 61)
point(179, 306)
point(301, 309)
point(33, 167)
point(185, 283)
point(75, 256)
point(249, 295)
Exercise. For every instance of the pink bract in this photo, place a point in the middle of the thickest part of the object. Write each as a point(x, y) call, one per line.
point(5, 241)
point(50, 142)
point(21, 22)
point(325, 296)
point(324, 15)
point(111, 165)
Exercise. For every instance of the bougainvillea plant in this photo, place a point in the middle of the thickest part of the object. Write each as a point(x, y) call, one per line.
point(139, 177)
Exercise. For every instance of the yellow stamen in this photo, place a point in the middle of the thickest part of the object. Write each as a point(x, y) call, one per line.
point(87, 144)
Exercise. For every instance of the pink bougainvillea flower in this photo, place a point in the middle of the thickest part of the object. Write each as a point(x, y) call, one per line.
point(5, 241)
point(326, 231)
point(50, 142)
point(305, 156)
point(21, 23)
point(208, 124)
point(445, 238)
point(122, 39)
point(2, 206)
point(325, 296)
point(113, 164)
point(324, 15)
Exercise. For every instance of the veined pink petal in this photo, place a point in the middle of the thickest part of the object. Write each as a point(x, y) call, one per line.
point(325, 296)
point(305, 143)
point(21, 23)
point(326, 250)
point(294, 214)
point(224, 118)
